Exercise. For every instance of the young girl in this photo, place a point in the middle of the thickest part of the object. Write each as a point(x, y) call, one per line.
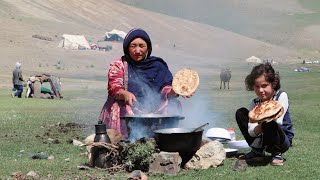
point(276, 136)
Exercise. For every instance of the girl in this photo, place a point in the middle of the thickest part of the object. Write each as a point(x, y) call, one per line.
point(276, 136)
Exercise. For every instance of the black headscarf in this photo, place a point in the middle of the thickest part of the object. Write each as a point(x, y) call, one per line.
point(147, 77)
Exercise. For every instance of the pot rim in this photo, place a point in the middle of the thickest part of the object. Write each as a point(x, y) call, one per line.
point(153, 116)
point(178, 131)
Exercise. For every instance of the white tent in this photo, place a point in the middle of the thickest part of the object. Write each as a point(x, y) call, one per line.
point(254, 59)
point(73, 42)
point(115, 35)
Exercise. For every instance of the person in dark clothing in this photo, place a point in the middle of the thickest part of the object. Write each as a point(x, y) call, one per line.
point(17, 80)
point(276, 136)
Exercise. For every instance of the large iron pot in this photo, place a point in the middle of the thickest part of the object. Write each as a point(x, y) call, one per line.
point(152, 119)
point(182, 140)
point(148, 122)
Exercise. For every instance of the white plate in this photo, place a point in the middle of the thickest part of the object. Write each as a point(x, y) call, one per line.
point(241, 144)
point(228, 150)
point(222, 140)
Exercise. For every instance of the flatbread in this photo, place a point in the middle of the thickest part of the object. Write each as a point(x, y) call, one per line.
point(185, 82)
point(276, 116)
point(266, 111)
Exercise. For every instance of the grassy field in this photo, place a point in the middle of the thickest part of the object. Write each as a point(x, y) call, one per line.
point(31, 126)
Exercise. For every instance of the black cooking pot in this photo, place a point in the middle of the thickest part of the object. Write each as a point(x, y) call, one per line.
point(150, 119)
point(182, 140)
point(144, 124)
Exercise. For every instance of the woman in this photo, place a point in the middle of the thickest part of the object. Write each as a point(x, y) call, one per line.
point(276, 136)
point(138, 83)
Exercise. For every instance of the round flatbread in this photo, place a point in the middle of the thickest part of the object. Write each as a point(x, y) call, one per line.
point(185, 82)
point(266, 111)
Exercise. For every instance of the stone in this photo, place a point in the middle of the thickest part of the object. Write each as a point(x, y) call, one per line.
point(210, 154)
point(240, 165)
point(138, 175)
point(33, 175)
point(165, 163)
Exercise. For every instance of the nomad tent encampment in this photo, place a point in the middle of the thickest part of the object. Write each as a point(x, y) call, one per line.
point(254, 59)
point(115, 35)
point(74, 42)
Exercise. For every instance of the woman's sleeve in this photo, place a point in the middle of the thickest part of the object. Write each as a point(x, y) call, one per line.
point(283, 99)
point(165, 92)
point(115, 77)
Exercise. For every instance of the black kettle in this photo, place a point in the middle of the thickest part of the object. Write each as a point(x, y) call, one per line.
point(101, 133)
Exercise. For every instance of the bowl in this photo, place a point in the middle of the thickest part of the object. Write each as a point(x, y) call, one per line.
point(241, 144)
point(221, 140)
point(218, 133)
point(231, 152)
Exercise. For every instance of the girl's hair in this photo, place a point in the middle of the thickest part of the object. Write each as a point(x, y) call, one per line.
point(263, 69)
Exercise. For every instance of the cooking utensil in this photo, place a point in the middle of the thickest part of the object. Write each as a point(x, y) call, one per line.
point(148, 122)
point(101, 133)
point(181, 140)
point(200, 127)
point(178, 139)
point(152, 116)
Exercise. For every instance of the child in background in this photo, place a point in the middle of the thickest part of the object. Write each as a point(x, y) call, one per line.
point(276, 136)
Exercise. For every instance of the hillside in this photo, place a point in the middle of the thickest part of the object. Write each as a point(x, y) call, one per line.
point(197, 45)
point(285, 23)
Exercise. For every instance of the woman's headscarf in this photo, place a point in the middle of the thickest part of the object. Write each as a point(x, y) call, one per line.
point(147, 77)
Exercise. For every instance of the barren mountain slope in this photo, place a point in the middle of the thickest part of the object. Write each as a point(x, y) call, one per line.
point(195, 44)
point(273, 21)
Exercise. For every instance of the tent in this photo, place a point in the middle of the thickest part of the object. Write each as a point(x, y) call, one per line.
point(254, 59)
point(43, 86)
point(74, 42)
point(115, 35)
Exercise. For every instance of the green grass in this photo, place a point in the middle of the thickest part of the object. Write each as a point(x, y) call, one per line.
point(311, 4)
point(309, 18)
point(25, 124)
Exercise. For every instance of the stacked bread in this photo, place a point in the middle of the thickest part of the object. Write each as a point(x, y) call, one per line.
point(266, 111)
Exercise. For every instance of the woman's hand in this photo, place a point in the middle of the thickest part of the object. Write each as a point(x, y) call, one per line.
point(127, 96)
point(172, 93)
point(188, 96)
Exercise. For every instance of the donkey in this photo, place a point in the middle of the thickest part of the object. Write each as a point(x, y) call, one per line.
point(225, 76)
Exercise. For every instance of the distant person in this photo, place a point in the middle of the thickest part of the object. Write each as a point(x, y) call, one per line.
point(138, 83)
point(17, 80)
point(30, 88)
point(276, 136)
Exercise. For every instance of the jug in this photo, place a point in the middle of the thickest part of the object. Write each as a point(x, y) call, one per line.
point(101, 133)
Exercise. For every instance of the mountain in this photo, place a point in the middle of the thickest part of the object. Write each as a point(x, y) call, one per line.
point(181, 42)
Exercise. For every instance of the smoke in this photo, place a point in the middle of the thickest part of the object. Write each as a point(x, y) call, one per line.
point(140, 128)
point(196, 111)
